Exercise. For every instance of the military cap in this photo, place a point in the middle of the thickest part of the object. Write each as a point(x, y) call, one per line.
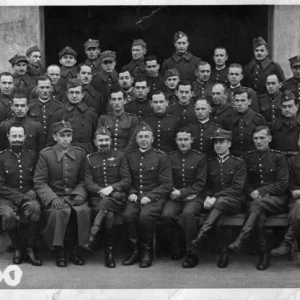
point(61, 127)
point(222, 134)
point(17, 58)
point(171, 73)
point(178, 35)
point(287, 96)
point(139, 42)
point(108, 55)
point(67, 50)
point(32, 49)
point(258, 42)
point(91, 43)
point(72, 83)
point(143, 126)
point(295, 60)
point(103, 131)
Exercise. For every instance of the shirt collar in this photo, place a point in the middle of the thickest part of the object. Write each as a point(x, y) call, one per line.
point(105, 76)
point(81, 106)
point(90, 89)
point(220, 68)
point(187, 56)
point(60, 153)
point(65, 71)
point(247, 117)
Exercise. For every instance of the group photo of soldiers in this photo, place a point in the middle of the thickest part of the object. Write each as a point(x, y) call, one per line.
point(155, 143)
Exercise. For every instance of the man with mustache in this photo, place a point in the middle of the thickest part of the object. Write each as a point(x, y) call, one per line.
point(92, 51)
point(18, 197)
point(59, 183)
point(220, 71)
point(125, 82)
point(34, 68)
point(6, 89)
point(107, 177)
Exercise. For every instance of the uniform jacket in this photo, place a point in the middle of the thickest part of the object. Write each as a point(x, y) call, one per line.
point(59, 174)
point(136, 68)
point(139, 108)
point(151, 174)
point(58, 94)
point(95, 65)
point(293, 85)
point(170, 96)
point(35, 71)
point(24, 84)
point(256, 73)
point(155, 83)
point(219, 113)
point(202, 89)
point(268, 172)
point(294, 173)
point(66, 74)
point(94, 99)
point(270, 106)
point(35, 137)
point(189, 172)
point(219, 76)
point(6, 111)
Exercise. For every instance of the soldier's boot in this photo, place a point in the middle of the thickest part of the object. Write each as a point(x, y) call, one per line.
point(223, 258)
point(244, 236)
point(109, 255)
point(135, 254)
point(15, 239)
point(190, 261)
point(264, 259)
point(286, 246)
point(208, 223)
point(30, 254)
point(76, 257)
point(61, 258)
point(147, 254)
point(173, 239)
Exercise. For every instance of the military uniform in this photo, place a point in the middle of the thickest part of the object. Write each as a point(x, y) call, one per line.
point(35, 71)
point(219, 76)
point(58, 94)
point(95, 65)
point(155, 83)
point(270, 106)
point(165, 128)
point(242, 127)
point(293, 85)
point(6, 111)
point(43, 111)
point(170, 96)
point(129, 95)
point(35, 137)
point(220, 112)
point(24, 84)
point(94, 99)
point(60, 174)
point(84, 122)
point(202, 90)
point(66, 74)
point(136, 68)
point(121, 129)
point(139, 108)
point(202, 133)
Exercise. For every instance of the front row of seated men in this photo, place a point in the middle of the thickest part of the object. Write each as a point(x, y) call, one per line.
point(69, 189)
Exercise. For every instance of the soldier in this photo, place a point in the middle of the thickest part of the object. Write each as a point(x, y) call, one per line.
point(185, 201)
point(203, 128)
point(137, 65)
point(59, 183)
point(82, 118)
point(156, 82)
point(141, 105)
point(235, 76)
point(270, 103)
point(242, 122)
point(120, 123)
point(34, 68)
point(256, 72)
point(163, 125)
point(22, 81)
point(92, 51)
point(182, 59)
point(171, 81)
point(6, 89)
point(221, 107)
point(183, 109)
point(106, 79)
point(220, 71)
point(107, 177)
point(266, 186)
point(18, 197)
point(126, 84)
point(92, 97)
point(226, 175)
point(286, 128)
point(35, 137)
point(202, 87)
point(68, 60)
point(151, 173)
point(44, 106)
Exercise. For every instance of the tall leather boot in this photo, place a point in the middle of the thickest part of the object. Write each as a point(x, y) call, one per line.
point(109, 256)
point(15, 239)
point(245, 233)
point(208, 223)
point(30, 255)
point(173, 239)
point(134, 255)
point(147, 254)
point(264, 259)
point(286, 246)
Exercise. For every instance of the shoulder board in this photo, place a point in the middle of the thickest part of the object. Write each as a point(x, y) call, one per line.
point(172, 152)
point(210, 82)
point(236, 157)
point(172, 116)
point(91, 154)
point(131, 151)
point(47, 149)
point(251, 151)
point(28, 150)
point(79, 148)
point(259, 115)
point(3, 151)
point(128, 114)
point(276, 151)
point(159, 151)
point(56, 101)
point(262, 95)
point(32, 101)
point(212, 158)
point(173, 104)
point(215, 124)
point(287, 80)
point(197, 151)
point(92, 109)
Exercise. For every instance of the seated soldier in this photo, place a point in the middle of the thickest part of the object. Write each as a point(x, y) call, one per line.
point(18, 198)
point(266, 186)
point(59, 183)
point(107, 177)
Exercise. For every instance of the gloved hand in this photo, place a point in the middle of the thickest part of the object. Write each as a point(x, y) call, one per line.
point(57, 203)
point(118, 196)
point(78, 200)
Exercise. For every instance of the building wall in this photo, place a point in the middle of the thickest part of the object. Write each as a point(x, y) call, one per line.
point(20, 28)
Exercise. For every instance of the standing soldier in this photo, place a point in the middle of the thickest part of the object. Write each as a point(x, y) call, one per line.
point(151, 173)
point(107, 177)
point(226, 175)
point(22, 81)
point(220, 71)
point(171, 81)
point(82, 118)
point(125, 82)
point(43, 107)
point(256, 72)
point(34, 68)
point(120, 123)
point(59, 183)
point(6, 94)
point(182, 59)
point(137, 65)
point(35, 137)
point(267, 182)
point(18, 197)
point(92, 51)
point(185, 201)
